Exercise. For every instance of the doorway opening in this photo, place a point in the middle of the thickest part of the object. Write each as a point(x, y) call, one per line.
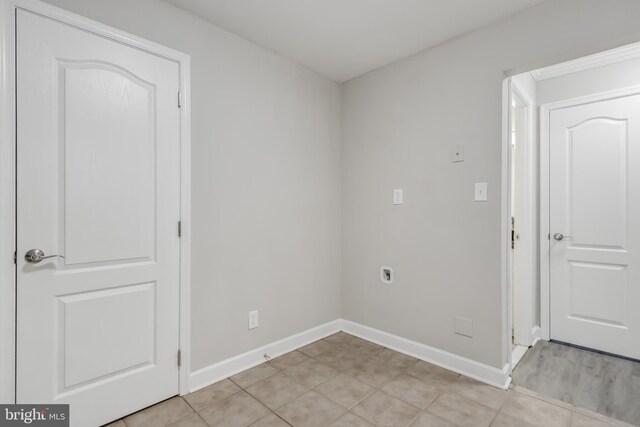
point(522, 207)
point(573, 207)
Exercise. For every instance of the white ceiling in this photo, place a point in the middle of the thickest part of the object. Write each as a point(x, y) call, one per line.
point(342, 39)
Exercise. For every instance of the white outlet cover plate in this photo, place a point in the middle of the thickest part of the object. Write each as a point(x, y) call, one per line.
point(253, 319)
point(481, 192)
point(398, 196)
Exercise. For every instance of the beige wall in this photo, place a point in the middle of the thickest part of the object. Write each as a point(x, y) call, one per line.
point(399, 125)
point(265, 178)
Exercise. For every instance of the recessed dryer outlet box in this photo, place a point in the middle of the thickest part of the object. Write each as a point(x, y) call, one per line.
point(463, 326)
point(386, 275)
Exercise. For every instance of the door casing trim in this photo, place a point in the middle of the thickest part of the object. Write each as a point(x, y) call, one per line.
point(523, 310)
point(8, 173)
point(545, 206)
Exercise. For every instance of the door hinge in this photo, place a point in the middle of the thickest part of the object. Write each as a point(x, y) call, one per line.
point(179, 99)
point(179, 228)
point(15, 257)
point(179, 358)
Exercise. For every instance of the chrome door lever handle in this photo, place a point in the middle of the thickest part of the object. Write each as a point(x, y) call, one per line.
point(34, 256)
point(560, 236)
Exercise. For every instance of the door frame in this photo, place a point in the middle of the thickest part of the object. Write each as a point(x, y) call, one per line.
point(8, 272)
point(508, 88)
point(545, 205)
point(522, 306)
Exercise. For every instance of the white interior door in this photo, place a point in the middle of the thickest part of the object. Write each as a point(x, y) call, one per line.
point(595, 205)
point(98, 182)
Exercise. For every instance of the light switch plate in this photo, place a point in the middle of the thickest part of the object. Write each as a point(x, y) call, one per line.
point(254, 321)
point(398, 196)
point(481, 192)
point(457, 153)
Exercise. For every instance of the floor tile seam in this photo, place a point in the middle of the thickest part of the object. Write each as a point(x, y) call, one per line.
point(355, 415)
point(500, 411)
point(216, 401)
point(397, 398)
point(496, 414)
point(283, 420)
point(261, 379)
point(479, 403)
point(355, 404)
point(440, 391)
point(426, 409)
point(385, 366)
point(306, 390)
point(286, 374)
point(421, 379)
point(547, 399)
point(510, 415)
point(415, 418)
point(265, 416)
point(270, 362)
point(195, 412)
point(323, 381)
point(191, 406)
point(342, 412)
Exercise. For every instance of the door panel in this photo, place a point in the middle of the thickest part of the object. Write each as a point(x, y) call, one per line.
point(598, 292)
point(595, 203)
point(597, 193)
point(104, 109)
point(132, 325)
point(98, 182)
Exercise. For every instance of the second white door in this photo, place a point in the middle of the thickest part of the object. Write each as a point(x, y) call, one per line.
point(595, 225)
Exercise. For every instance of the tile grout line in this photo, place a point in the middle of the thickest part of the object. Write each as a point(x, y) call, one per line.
point(357, 348)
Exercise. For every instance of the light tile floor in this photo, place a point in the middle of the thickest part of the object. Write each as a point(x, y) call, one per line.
point(344, 381)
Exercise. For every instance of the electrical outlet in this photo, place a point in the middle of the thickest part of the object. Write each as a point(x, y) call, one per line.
point(253, 319)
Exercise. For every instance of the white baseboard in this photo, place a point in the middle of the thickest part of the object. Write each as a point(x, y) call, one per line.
point(487, 374)
point(221, 370)
point(517, 354)
point(535, 334)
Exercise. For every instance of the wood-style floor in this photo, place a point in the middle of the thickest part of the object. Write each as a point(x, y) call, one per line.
point(604, 384)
